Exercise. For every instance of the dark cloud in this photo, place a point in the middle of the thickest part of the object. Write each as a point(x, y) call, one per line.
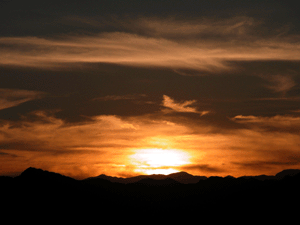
point(5, 154)
point(204, 168)
point(55, 17)
point(258, 166)
point(13, 97)
point(278, 123)
point(120, 97)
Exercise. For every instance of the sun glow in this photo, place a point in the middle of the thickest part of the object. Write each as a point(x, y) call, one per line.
point(159, 161)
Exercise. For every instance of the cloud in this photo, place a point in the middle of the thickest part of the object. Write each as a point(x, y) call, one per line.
point(236, 27)
point(278, 123)
point(203, 168)
point(105, 142)
point(120, 48)
point(172, 27)
point(185, 106)
point(278, 120)
point(215, 45)
point(280, 83)
point(120, 97)
point(107, 139)
point(178, 107)
point(267, 165)
point(14, 97)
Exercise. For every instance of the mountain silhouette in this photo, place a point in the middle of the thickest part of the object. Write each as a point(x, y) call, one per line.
point(289, 172)
point(41, 192)
point(181, 177)
point(186, 178)
point(156, 182)
point(39, 175)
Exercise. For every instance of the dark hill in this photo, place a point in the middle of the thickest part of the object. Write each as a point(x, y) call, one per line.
point(39, 192)
point(278, 176)
point(153, 182)
point(38, 175)
point(284, 173)
point(181, 177)
point(186, 178)
point(109, 178)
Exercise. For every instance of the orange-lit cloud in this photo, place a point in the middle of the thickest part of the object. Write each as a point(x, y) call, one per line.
point(188, 52)
point(104, 142)
point(107, 143)
point(185, 106)
point(178, 107)
point(280, 121)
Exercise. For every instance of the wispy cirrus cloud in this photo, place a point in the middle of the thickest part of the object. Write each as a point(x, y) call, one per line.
point(203, 45)
point(281, 123)
point(174, 28)
point(281, 119)
point(120, 48)
point(236, 27)
point(14, 97)
point(280, 83)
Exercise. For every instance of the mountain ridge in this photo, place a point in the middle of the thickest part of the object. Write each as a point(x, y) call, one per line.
point(186, 178)
point(36, 190)
point(181, 177)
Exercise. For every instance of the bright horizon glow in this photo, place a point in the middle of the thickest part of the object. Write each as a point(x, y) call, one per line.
point(158, 161)
point(157, 171)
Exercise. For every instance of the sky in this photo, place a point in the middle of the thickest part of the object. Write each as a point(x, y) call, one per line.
point(125, 88)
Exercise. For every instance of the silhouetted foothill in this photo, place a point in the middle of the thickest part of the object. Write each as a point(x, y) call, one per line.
point(42, 175)
point(159, 183)
point(154, 193)
point(181, 177)
point(284, 173)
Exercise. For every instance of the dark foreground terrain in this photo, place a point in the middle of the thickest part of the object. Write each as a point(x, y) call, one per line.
point(37, 192)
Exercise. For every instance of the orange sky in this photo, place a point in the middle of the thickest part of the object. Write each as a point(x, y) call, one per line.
point(126, 147)
point(206, 90)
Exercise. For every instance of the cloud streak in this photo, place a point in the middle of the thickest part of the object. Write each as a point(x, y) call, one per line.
point(14, 97)
point(196, 53)
point(278, 120)
point(120, 97)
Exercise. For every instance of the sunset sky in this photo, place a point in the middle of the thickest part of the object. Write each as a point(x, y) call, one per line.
point(130, 87)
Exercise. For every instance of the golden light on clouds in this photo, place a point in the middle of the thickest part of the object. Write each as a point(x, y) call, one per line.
point(179, 107)
point(150, 144)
